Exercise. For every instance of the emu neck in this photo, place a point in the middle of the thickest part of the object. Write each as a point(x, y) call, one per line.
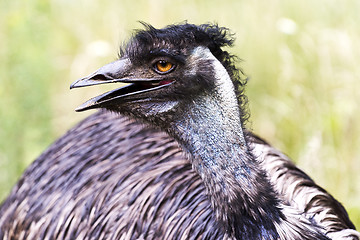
point(241, 196)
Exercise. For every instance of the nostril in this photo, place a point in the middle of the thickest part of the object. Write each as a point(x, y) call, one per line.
point(101, 77)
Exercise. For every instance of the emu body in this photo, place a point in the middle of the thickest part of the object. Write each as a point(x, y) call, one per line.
point(135, 183)
point(112, 177)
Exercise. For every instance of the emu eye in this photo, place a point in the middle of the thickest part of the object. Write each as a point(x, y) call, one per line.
point(163, 66)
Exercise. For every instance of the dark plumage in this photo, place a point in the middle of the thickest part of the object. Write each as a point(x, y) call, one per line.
point(116, 177)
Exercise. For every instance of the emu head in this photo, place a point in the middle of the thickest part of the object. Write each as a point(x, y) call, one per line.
point(166, 70)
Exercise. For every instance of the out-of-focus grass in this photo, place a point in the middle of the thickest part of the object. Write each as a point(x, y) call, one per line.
point(302, 58)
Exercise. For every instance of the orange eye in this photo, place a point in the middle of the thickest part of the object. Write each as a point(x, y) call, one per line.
point(163, 66)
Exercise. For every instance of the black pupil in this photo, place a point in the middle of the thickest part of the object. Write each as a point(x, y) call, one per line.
point(163, 64)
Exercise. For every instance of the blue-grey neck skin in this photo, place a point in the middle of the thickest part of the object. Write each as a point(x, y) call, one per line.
point(210, 131)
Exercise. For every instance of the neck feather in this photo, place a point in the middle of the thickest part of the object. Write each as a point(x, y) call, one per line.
point(211, 133)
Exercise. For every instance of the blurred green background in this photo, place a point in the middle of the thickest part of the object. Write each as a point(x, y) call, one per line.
point(302, 57)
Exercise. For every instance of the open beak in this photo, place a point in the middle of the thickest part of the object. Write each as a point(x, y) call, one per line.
point(117, 72)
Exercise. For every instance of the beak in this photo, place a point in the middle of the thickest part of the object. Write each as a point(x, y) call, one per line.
point(118, 71)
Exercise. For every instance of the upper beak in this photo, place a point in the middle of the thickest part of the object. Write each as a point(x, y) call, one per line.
point(107, 74)
point(117, 71)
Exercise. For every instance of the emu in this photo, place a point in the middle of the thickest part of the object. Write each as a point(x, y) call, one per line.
point(169, 157)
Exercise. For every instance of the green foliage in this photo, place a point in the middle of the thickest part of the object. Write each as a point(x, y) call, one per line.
point(25, 71)
point(302, 59)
